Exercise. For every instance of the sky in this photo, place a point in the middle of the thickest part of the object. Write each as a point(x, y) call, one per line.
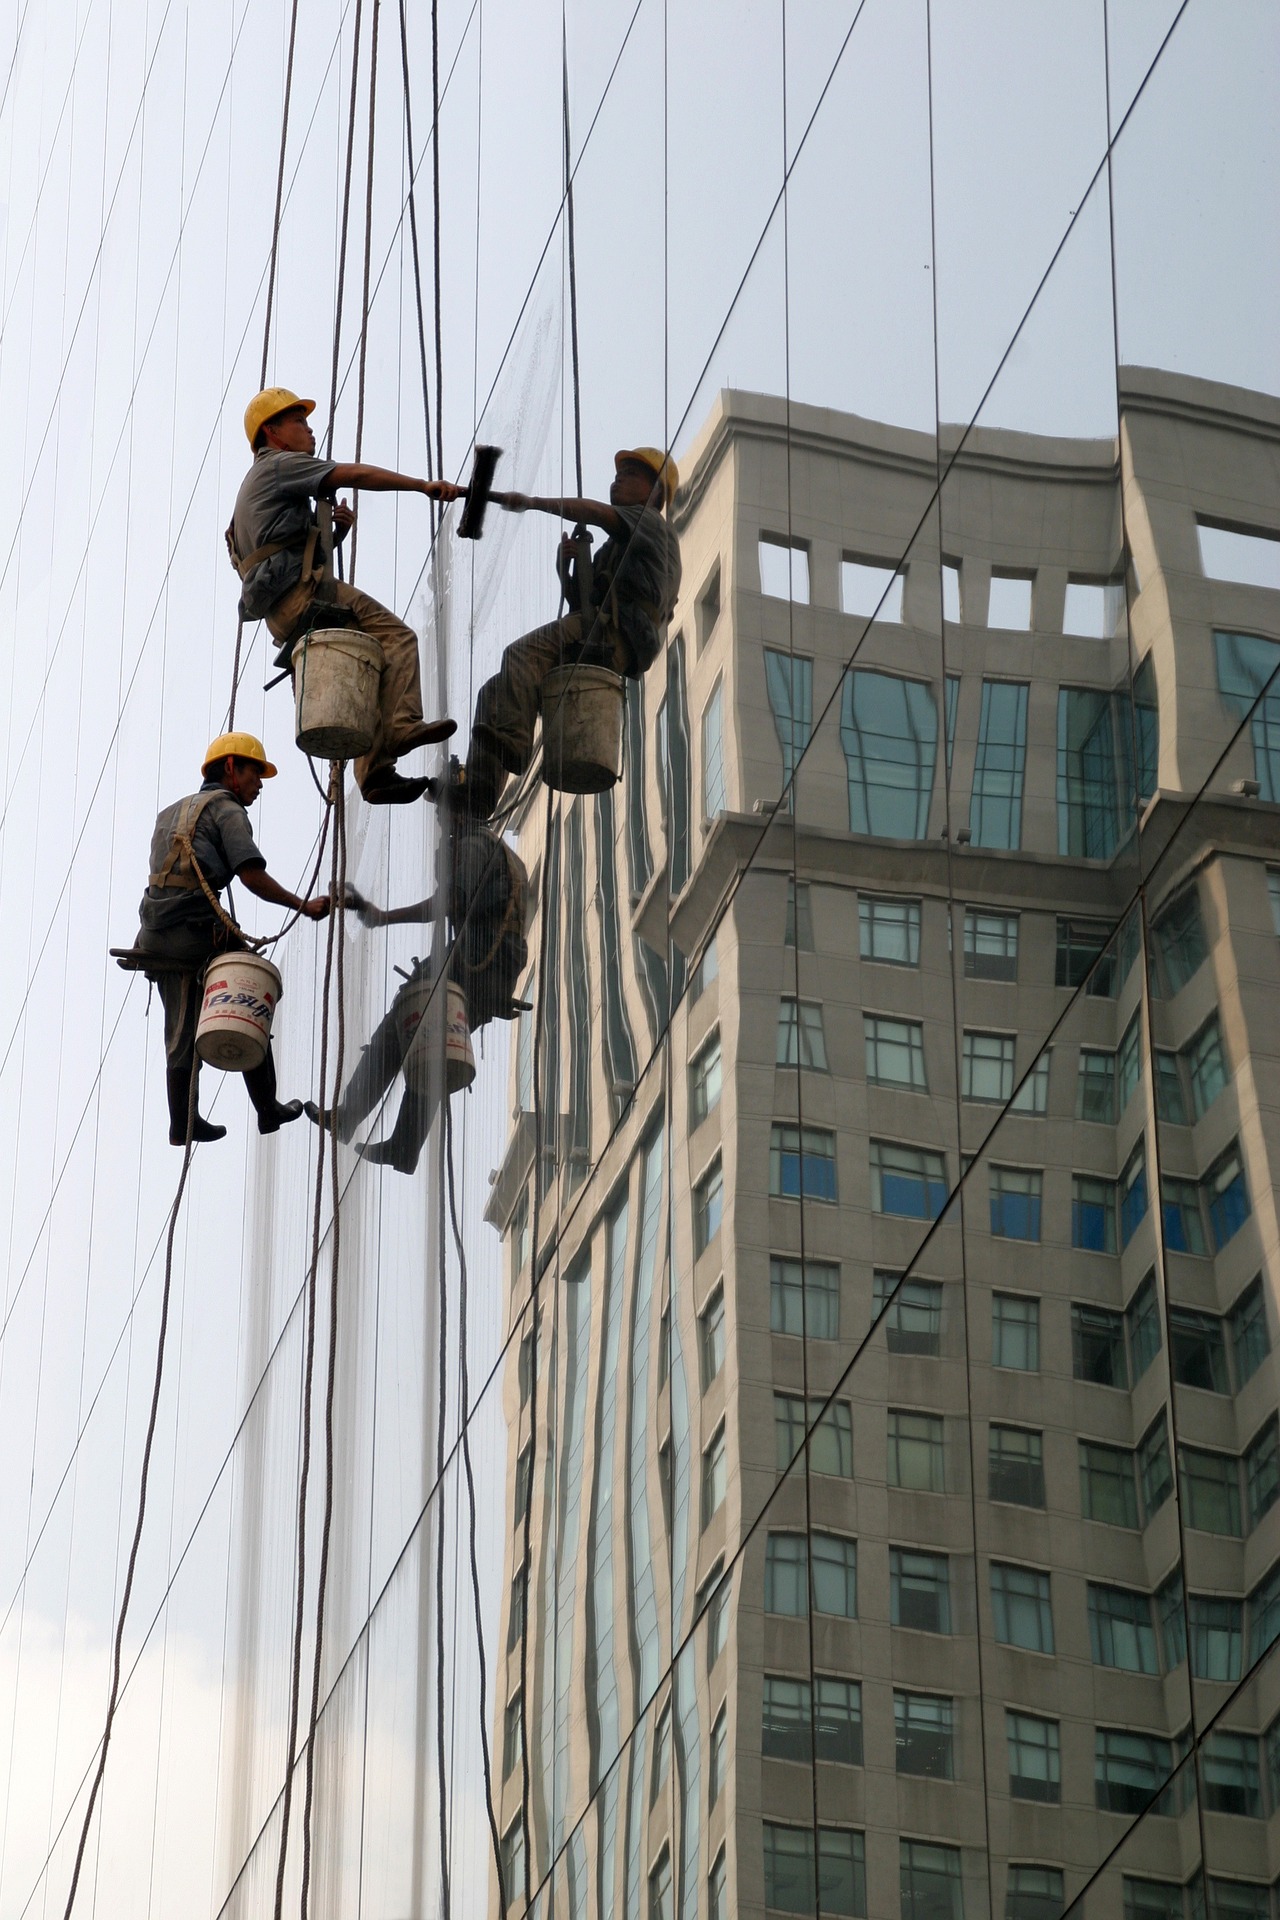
point(943, 175)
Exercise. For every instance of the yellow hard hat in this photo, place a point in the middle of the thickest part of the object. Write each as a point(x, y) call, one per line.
point(657, 462)
point(266, 405)
point(243, 746)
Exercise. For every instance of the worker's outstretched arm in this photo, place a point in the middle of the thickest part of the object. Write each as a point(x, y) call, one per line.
point(421, 914)
point(259, 882)
point(592, 513)
point(354, 473)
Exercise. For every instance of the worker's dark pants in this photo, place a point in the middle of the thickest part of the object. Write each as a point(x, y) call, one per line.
point(181, 995)
point(507, 706)
point(380, 1062)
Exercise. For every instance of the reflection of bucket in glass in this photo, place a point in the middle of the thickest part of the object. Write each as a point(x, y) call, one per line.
point(582, 729)
point(335, 692)
point(241, 992)
point(436, 1026)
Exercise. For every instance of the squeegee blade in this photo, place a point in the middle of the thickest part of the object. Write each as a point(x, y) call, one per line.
point(471, 519)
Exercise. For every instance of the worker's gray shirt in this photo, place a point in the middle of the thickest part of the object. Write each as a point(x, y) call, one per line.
point(274, 503)
point(642, 563)
point(223, 845)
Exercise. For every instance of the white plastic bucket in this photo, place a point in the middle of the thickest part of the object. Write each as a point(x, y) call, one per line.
point(582, 729)
point(241, 992)
point(430, 1024)
point(335, 692)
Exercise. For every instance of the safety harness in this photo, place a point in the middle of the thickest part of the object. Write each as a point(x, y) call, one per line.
point(182, 870)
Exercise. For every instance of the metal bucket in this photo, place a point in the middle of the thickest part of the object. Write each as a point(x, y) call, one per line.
point(431, 1024)
point(241, 992)
point(335, 692)
point(582, 729)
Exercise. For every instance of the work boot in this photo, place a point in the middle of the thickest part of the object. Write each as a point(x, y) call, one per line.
point(387, 788)
point(425, 733)
point(333, 1118)
point(260, 1085)
point(178, 1088)
point(390, 1152)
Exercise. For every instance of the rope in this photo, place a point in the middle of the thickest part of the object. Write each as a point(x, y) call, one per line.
point(104, 1746)
point(435, 202)
point(344, 228)
point(464, 1418)
point(295, 1683)
point(442, 1385)
point(368, 243)
point(413, 239)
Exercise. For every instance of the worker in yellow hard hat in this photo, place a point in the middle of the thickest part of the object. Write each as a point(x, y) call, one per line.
point(206, 838)
point(287, 579)
point(621, 598)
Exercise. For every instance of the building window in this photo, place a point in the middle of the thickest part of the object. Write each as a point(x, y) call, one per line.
point(1133, 1193)
point(802, 1163)
point(838, 1729)
point(1035, 1893)
point(1227, 1195)
point(661, 1754)
point(513, 1861)
point(1033, 1095)
point(718, 1889)
point(711, 1336)
point(1210, 1490)
point(1128, 1064)
point(1015, 1466)
point(1199, 1351)
point(1096, 1087)
point(986, 1067)
point(713, 787)
point(1015, 1203)
point(1171, 1102)
point(1232, 1781)
point(706, 970)
point(1246, 663)
point(1171, 1607)
point(804, 1298)
point(512, 1735)
point(1015, 1332)
point(889, 731)
point(1206, 1066)
point(895, 1052)
point(661, 1905)
point(524, 1467)
point(1154, 1470)
point(1264, 1613)
point(1009, 605)
point(1183, 1221)
point(715, 1471)
point(1250, 1343)
point(705, 1081)
point(930, 1886)
point(521, 1238)
point(1121, 1633)
point(713, 1600)
point(515, 1611)
point(919, 1590)
point(889, 931)
point(1129, 1769)
point(990, 944)
point(785, 1732)
point(1093, 951)
point(1093, 1213)
point(923, 1726)
point(1217, 1636)
point(830, 1434)
point(910, 1181)
point(1092, 809)
point(786, 1574)
point(784, 568)
point(1152, 1899)
point(788, 678)
point(951, 591)
point(916, 1456)
point(872, 592)
point(1097, 1346)
point(790, 1884)
point(1107, 1488)
point(1020, 1607)
point(708, 1206)
point(801, 1041)
point(1180, 943)
point(798, 932)
point(708, 608)
point(835, 1576)
point(718, 1760)
point(1035, 1760)
point(913, 1323)
point(995, 812)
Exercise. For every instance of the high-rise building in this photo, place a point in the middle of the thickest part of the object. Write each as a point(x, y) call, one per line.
point(893, 1175)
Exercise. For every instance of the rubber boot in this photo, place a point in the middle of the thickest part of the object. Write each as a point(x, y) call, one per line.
point(404, 1143)
point(260, 1085)
point(178, 1088)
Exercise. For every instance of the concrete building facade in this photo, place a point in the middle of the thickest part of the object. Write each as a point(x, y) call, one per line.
point(894, 1464)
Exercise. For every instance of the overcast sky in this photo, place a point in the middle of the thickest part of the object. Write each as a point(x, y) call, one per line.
point(138, 148)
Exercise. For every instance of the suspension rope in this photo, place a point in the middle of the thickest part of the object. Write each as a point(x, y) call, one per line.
point(413, 238)
point(344, 227)
point(442, 1390)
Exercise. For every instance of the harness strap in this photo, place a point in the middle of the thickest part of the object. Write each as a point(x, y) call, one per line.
point(176, 870)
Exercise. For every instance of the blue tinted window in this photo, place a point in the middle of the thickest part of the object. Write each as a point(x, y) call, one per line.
point(1015, 1203)
point(889, 732)
point(907, 1180)
point(789, 679)
point(1088, 789)
point(995, 815)
point(1228, 1197)
point(1245, 666)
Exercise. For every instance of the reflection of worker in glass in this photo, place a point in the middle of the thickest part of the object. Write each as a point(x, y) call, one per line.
point(485, 902)
point(620, 597)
